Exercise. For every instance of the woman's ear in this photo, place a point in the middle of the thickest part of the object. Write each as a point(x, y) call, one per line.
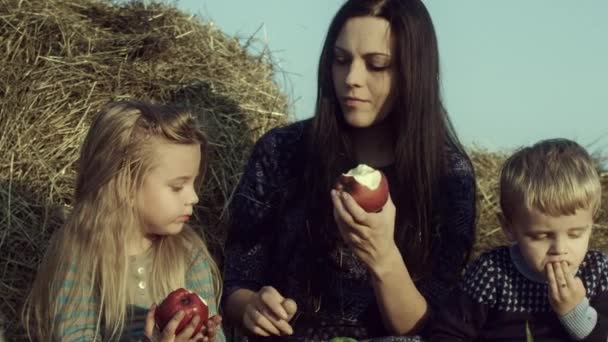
point(506, 226)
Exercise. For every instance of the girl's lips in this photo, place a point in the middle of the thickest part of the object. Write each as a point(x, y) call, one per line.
point(183, 218)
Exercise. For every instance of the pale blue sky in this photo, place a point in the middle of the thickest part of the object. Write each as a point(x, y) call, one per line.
point(513, 71)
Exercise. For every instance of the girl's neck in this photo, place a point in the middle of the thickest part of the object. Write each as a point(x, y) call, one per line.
point(138, 245)
point(373, 145)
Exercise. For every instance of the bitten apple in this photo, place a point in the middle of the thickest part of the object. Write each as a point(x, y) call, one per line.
point(367, 186)
point(187, 301)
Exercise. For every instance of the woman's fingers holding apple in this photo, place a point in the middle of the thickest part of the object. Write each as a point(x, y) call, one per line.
point(353, 209)
point(341, 214)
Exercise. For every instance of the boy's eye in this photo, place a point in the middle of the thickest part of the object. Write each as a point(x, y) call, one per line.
point(539, 236)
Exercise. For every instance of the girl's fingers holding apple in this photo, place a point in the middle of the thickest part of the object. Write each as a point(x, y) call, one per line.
point(216, 319)
point(149, 324)
point(198, 338)
point(188, 331)
point(169, 330)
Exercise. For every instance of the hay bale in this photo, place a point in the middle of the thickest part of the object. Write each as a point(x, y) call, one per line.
point(487, 167)
point(61, 61)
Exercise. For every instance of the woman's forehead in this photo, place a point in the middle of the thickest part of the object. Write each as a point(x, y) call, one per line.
point(364, 35)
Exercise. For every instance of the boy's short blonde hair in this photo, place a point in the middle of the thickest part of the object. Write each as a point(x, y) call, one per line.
point(555, 176)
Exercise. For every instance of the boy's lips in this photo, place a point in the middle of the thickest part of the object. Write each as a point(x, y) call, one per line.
point(554, 259)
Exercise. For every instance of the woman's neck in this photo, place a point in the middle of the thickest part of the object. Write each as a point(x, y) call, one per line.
point(374, 145)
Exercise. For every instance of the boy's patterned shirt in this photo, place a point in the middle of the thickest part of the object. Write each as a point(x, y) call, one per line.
point(496, 302)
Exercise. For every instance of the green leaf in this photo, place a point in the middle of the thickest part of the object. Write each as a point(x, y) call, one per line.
point(529, 337)
point(342, 339)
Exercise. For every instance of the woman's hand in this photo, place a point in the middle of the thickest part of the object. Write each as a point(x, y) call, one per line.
point(168, 333)
point(370, 235)
point(268, 313)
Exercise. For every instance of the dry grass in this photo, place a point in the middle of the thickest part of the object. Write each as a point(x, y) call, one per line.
point(60, 61)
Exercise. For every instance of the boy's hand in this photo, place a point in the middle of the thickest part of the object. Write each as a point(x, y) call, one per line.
point(210, 328)
point(565, 291)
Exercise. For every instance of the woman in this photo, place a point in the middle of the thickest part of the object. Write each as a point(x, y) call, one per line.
point(305, 261)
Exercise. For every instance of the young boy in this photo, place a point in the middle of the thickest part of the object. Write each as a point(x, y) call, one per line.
point(546, 285)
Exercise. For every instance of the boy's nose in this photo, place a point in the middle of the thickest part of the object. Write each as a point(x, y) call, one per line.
point(558, 247)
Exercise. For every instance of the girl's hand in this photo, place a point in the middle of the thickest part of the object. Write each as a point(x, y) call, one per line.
point(210, 328)
point(268, 313)
point(168, 334)
point(370, 235)
point(565, 291)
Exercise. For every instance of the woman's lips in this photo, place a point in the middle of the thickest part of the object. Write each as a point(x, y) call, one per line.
point(353, 101)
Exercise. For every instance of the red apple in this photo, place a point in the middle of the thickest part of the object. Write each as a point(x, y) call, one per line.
point(187, 301)
point(366, 185)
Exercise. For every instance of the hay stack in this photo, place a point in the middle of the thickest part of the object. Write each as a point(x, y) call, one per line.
point(60, 61)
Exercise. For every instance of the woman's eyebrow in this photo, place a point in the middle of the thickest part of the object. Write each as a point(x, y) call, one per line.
point(368, 54)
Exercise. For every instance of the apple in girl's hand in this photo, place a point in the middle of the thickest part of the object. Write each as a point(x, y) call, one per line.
point(187, 301)
point(367, 186)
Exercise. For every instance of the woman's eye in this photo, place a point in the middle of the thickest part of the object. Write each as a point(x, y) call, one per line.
point(377, 67)
point(340, 60)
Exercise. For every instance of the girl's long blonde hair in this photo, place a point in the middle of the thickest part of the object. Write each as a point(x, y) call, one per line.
point(90, 249)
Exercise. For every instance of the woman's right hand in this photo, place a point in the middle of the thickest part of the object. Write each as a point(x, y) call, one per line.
point(268, 313)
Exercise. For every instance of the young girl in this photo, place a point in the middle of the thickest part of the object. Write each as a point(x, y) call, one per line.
point(127, 243)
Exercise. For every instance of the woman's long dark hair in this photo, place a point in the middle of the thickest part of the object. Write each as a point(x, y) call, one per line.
point(422, 130)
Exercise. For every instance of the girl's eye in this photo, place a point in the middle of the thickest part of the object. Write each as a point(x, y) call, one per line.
point(539, 236)
point(177, 188)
